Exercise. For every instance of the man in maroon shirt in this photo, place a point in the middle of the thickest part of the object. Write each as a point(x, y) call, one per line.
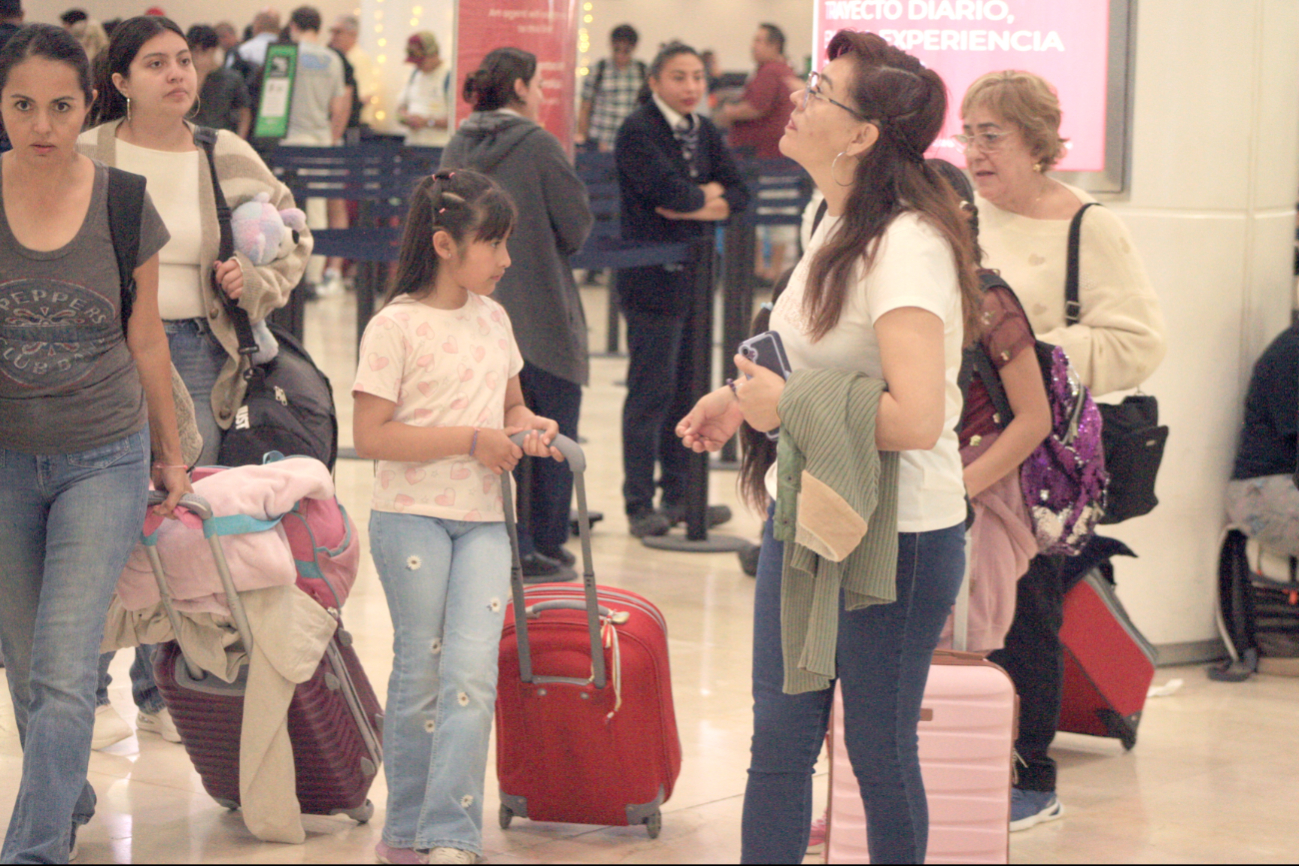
point(758, 120)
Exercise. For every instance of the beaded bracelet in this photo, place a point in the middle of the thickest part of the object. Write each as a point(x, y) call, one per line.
point(473, 443)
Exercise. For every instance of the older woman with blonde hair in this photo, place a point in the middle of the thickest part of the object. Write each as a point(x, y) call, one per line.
point(1114, 338)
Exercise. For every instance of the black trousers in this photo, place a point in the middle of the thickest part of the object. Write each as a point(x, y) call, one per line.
point(1035, 661)
point(658, 396)
point(544, 516)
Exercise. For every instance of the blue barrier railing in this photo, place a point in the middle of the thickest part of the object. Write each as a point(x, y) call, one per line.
point(380, 176)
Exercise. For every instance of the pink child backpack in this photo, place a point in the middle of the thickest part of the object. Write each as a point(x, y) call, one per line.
point(322, 539)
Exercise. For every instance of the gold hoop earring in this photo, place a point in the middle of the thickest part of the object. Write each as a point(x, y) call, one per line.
point(832, 167)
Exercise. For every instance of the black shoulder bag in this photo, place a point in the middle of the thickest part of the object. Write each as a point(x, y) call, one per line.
point(1130, 431)
point(206, 138)
point(289, 404)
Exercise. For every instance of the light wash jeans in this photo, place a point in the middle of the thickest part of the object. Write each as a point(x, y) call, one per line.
point(447, 583)
point(68, 522)
point(143, 689)
point(198, 358)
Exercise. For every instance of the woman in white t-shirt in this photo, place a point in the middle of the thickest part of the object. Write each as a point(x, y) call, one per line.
point(887, 288)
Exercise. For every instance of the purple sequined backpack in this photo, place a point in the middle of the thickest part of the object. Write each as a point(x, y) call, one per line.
point(1064, 479)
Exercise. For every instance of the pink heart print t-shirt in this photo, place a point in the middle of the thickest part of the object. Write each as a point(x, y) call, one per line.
point(443, 368)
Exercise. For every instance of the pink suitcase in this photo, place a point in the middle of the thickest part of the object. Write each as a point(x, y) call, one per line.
point(967, 745)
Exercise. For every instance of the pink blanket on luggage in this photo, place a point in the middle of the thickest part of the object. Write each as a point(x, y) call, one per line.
point(257, 560)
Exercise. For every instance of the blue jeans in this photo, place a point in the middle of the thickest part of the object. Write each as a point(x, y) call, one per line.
point(68, 523)
point(143, 689)
point(883, 661)
point(198, 358)
point(447, 583)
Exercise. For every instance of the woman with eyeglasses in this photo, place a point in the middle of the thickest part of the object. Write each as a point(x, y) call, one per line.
point(1012, 139)
point(886, 294)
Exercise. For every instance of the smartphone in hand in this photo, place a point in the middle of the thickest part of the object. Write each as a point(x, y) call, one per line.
point(766, 350)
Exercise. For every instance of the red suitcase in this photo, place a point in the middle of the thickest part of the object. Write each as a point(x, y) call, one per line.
point(585, 728)
point(1108, 664)
point(335, 719)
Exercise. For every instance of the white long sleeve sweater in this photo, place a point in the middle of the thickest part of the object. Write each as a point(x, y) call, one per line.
point(1120, 339)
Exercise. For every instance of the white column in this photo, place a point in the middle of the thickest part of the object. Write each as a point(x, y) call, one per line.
point(1215, 172)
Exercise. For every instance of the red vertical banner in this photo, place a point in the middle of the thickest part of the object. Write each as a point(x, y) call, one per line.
point(1067, 43)
point(547, 28)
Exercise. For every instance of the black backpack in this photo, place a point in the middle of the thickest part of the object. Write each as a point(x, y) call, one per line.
point(1258, 615)
point(125, 209)
point(289, 408)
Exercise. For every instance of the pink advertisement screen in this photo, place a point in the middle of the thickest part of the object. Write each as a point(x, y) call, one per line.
point(547, 28)
point(1064, 41)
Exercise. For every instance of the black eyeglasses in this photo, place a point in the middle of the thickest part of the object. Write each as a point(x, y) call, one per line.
point(811, 91)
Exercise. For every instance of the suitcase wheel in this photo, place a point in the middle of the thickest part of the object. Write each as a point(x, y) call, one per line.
point(505, 816)
point(361, 814)
point(228, 804)
point(654, 824)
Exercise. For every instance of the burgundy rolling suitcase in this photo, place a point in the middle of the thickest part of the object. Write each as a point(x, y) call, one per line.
point(335, 719)
point(967, 741)
point(1108, 664)
point(585, 728)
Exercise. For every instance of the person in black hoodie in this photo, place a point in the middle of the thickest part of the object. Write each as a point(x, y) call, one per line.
point(676, 179)
point(502, 139)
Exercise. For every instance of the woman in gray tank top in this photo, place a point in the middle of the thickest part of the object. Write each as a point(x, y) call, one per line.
point(83, 396)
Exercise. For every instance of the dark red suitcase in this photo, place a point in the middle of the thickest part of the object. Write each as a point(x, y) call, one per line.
point(335, 719)
point(585, 728)
point(1108, 663)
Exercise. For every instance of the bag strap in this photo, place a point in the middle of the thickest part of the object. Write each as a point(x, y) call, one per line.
point(206, 138)
point(976, 362)
point(125, 209)
point(1072, 307)
point(820, 214)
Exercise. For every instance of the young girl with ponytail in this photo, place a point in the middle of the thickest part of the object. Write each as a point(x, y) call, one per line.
point(437, 397)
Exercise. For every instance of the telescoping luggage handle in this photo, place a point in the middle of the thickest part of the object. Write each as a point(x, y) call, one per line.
point(199, 507)
point(576, 462)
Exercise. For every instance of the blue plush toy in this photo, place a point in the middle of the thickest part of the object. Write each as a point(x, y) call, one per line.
point(262, 233)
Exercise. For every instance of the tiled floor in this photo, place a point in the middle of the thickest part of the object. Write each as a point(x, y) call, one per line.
point(1212, 780)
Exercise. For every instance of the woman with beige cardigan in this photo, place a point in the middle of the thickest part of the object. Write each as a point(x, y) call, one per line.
point(145, 90)
point(1012, 138)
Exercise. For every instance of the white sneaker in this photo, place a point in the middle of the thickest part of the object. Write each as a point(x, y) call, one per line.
point(452, 855)
point(330, 284)
point(110, 728)
point(159, 723)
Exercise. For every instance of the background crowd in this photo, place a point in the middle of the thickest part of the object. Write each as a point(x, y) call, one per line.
point(677, 134)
